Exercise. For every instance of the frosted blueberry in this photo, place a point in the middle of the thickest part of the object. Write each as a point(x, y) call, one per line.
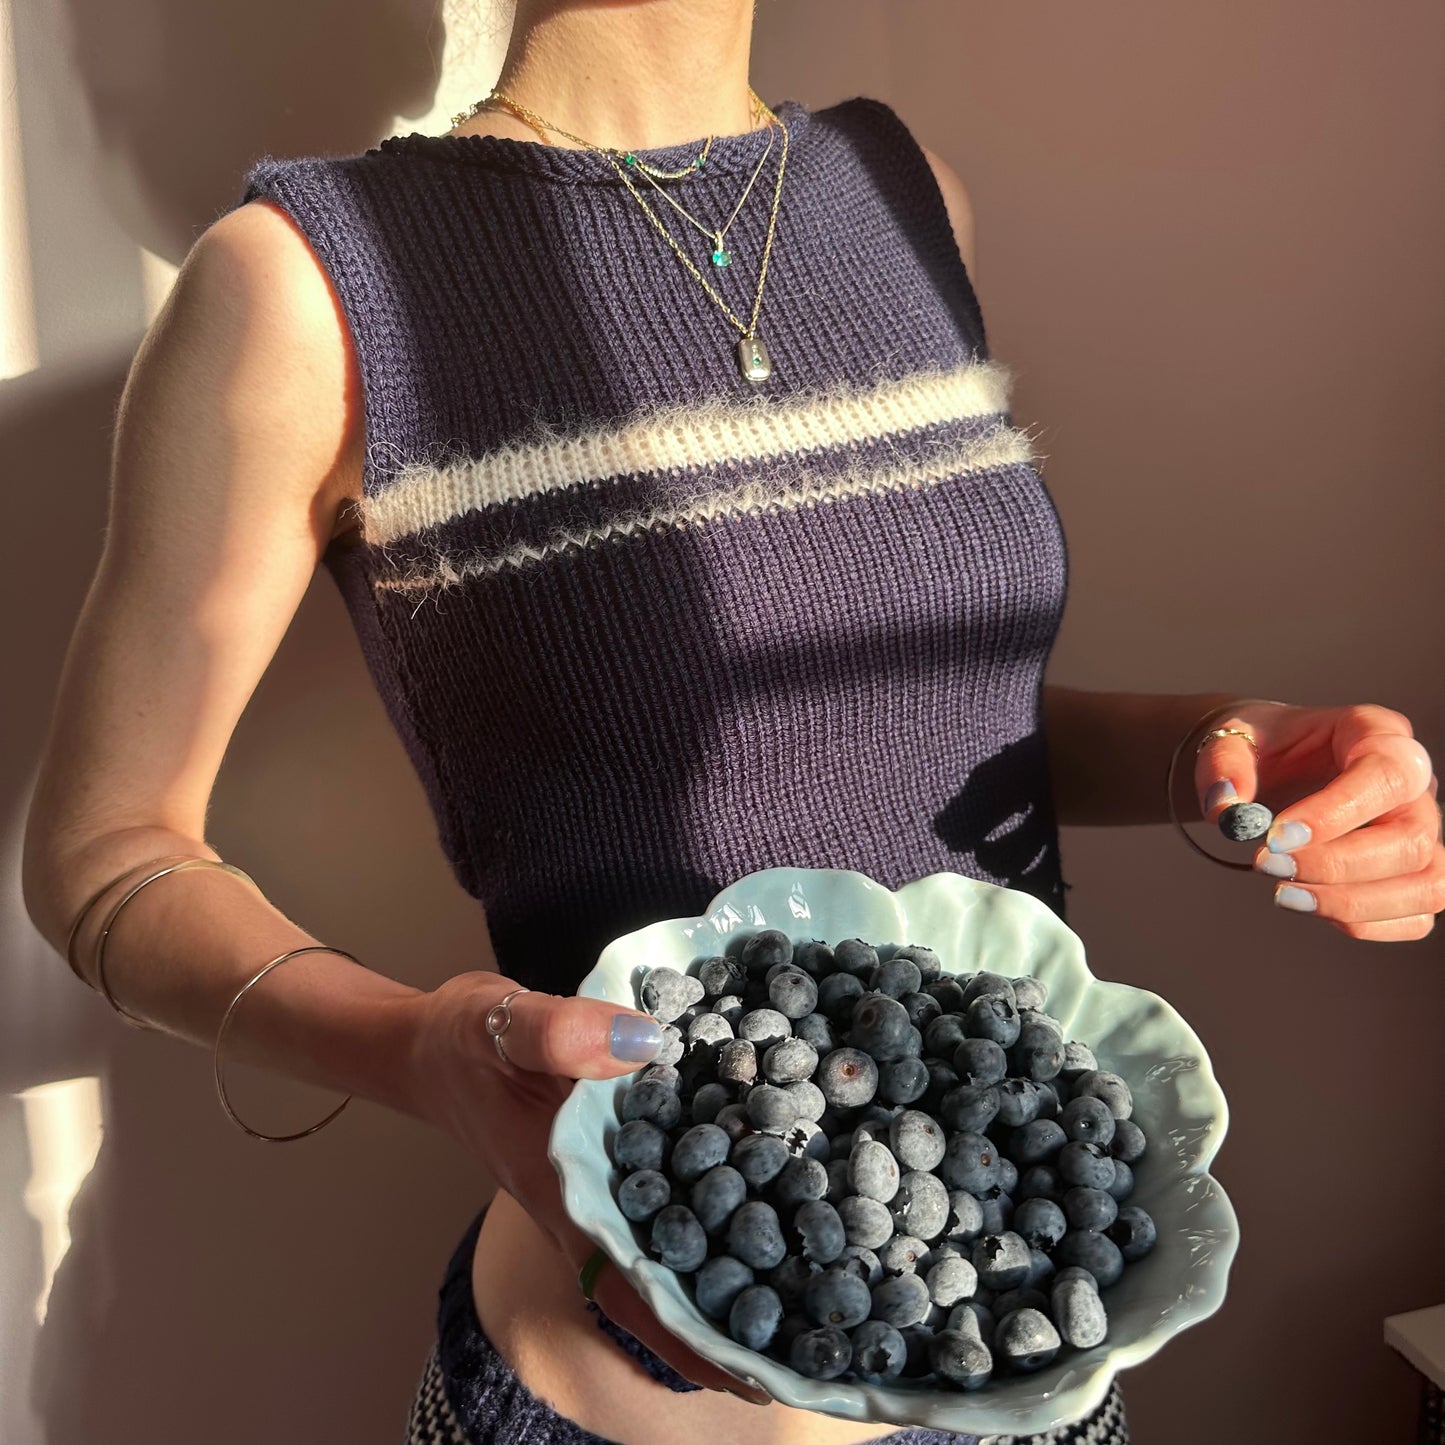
point(701, 1148)
point(1094, 1252)
point(1026, 1339)
point(642, 1194)
point(771, 1109)
point(857, 1259)
point(1134, 1232)
point(916, 1140)
point(799, 1180)
point(719, 1283)
point(1079, 1313)
point(920, 1207)
point(715, 1196)
point(764, 1027)
point(652, 1100)
point(879, 1353)
point(1030, 992)
point(904, 1254)
point(873, 1171)
point(951, 1281)
point(901, 1300)
point(666, 993)
point(964, 1361)
point(848, 1078)
point(755, 1236)
point(1102, 1084)
point(755, 1316)
point(793, 993)
point(765, 948)
point(737, 1062)
point(823, 1353)
point(1002, 1260)
point(836, 1297)
point(790, 1060)
point(720, 975)
point(809, 1096)
point(678, 1239)
point(759, 1158)
point(821, 1230)
point(865, 1221)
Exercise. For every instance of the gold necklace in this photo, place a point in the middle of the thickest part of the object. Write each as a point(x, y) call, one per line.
point(752, 354)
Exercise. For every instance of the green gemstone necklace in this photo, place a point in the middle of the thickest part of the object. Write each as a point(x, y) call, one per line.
point(752, 354)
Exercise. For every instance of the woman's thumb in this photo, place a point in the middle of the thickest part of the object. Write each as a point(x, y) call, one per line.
point(1225, 771)
point(579, 1038)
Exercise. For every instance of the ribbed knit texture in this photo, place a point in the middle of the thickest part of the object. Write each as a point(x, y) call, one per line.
point(642, 625)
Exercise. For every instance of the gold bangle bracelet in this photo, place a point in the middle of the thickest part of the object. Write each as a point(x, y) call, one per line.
point(101, 983)
point(221, 1033)
point(1169, 784)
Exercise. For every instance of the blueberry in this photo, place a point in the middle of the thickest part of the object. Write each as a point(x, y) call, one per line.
point(1002, 1260)
point(880, 1027)
point(854, 956)
point(1094, 1252)
point(964, 1361)
point(901, 1300)
point(1122, 1185)
point(640, 1144)
point(732, 1119)
point(1026, 1339)
point(818, 1030)
point(948, 992)
point(737, 1062)
point(703, 1147)
point(998, 1210)
point(904, 1254)
point(755, 1316)
point(764, 1027)
point(1038, 1052)
point(811, 1103)
point(755, 1236)
point(765, 948)
point(1008, 1175)
point(1088, 1118)
point(730, 1007)
point(771, 1109)
point(980, 1061)
point(839, 1187)
point(836, 1297)
point(951, 1281)
point(1090, 1165)
point(922, 1008)
point(897, 977)
point(902, 1081)
point(800, 1179)
point(1089, 1208)
point(1079, 1313)
point(1051, 1100)
point(941, 1080)
point(715, 1196)
point(929, 965)
point(709, 1102)
point(1030, 992)
point(879, 1353)
point(972, 1318)
point(848, 1078)
point(965, 1217)
point(691, 1012)
point(1041, 1268)
point(1078, 1059)
point(984, 985)
point(718, 1284)
point(873, 1171)
point(916, 1140)
point(821, 1354)
point(817, 1224)
point(720, 975)
point(793, 993)
point(759, 1158)
point(992, 1017)
point(838, 996)
point(858, 1259)
point(1134, 1232)
point(814, 957)
point(790, 1279)
point(941, 1036)
point(667, 1073)
point(678, 1239)
point(970, 1161)
point(1128, 1143)
point(665, 992)
point(1041, 1222)
point(1243, 822)
point(642, 1194)
point(1040, 1181)
point(1018, 1102)
point(652, 1100)
point(803, 1136)
point(1022, 1298)
point(970, 1107)
point(865, 1221)
point(920, 1207)
point(1109, 1087)
point(674, 1046)
point(790, 1060)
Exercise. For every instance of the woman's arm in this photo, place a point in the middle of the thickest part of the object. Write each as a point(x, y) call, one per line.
point(238, 421)
point(1109, 751)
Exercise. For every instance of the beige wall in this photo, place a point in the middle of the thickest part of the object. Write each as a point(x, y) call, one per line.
point(1209, 244)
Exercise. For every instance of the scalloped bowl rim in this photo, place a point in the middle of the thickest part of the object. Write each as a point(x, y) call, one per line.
point(1025, 1404)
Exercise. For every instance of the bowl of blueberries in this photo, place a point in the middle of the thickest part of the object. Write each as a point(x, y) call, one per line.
point(903, 1159)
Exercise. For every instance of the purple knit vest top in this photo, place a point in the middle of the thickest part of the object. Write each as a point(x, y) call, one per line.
point(644, 625)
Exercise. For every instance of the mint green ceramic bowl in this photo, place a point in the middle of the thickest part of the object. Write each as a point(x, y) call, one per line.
point(972, 925)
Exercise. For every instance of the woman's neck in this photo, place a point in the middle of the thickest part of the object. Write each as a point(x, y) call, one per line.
point(630, 73)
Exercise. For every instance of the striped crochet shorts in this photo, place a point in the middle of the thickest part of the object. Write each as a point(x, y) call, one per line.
point(469, 1395)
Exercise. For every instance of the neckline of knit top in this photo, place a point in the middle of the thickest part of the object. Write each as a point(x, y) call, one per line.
point(730, 154)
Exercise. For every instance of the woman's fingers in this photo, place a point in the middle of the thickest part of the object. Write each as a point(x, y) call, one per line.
point(579, 1038)
point(1402, 841)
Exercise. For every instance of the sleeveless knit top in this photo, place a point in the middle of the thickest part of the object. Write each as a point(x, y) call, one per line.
point(643, 625)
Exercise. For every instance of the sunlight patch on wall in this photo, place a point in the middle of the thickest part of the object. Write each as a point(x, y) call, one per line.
point(19, 345)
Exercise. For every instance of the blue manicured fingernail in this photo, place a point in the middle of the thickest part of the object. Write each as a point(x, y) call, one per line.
point(1300, 899)
point(1284, 836)
point(1277, 865)
point(635, 1037)
point(1221, 792)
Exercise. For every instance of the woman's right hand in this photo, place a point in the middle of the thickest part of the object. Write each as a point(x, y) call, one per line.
point(502, 1112)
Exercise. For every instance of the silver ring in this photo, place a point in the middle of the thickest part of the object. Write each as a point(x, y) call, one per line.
point(499, 1020)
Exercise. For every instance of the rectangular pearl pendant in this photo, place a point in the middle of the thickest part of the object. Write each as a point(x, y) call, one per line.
point(753, 358)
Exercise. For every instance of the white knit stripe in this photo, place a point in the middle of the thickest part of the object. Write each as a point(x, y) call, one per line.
point(684, 436)
point(1001, 446)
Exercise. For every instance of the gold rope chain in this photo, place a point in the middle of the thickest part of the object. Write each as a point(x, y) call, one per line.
point(748, 330)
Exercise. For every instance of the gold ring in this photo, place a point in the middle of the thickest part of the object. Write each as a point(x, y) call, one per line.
point(587, 1275)
point(1227, 733)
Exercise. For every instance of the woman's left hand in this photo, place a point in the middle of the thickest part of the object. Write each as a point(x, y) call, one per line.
point(1357, 830)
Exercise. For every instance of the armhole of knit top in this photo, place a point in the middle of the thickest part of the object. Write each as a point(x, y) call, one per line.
point(314, 193)
point(916, 181)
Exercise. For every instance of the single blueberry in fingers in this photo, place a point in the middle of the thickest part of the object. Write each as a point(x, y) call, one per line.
point(1243, 822)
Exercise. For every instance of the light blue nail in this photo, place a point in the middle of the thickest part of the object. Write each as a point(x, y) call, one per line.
point(1221, 792)
point(1300, 899)
point(635, 1037)
point(1277, 865)
point(1284, 836)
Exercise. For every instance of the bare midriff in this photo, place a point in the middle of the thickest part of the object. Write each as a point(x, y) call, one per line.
point(531, 1309)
